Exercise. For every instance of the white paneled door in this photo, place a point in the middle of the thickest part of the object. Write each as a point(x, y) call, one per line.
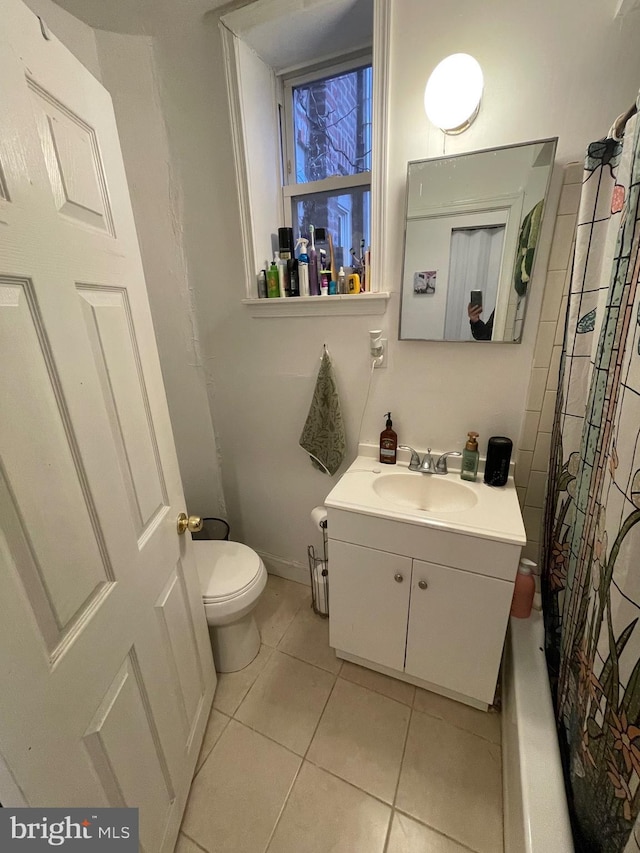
point(106, 674)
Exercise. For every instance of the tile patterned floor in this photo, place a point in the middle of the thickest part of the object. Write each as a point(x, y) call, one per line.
point(306, 754)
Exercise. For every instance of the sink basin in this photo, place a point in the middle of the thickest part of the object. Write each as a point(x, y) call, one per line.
point(425, 492)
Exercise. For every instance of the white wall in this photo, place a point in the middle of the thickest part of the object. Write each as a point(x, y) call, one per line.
point(557, 72)
point(128, 70)
point(74, 34)
point(564, 69)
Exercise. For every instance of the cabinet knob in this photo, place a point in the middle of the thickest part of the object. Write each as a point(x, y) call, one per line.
point(422, 584)
point(398, 577)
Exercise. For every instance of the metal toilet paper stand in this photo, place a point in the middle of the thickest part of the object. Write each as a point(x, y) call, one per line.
point(319, 573)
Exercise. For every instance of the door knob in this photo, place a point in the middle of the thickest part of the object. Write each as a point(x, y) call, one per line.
point(422, 584)
point(192, 523)
point(398, 578)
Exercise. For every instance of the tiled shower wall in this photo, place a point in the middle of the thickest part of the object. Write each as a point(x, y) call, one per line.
point(532, 460)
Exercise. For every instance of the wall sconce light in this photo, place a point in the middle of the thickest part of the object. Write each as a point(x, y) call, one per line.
point(453, 93)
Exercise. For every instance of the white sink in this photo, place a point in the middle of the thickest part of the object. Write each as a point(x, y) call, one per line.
point(433, 500)
point(426, 492)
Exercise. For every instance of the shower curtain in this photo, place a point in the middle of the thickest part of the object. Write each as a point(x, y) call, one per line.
point(591, 561)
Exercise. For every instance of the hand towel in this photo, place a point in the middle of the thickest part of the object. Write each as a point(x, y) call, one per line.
point(323, 433)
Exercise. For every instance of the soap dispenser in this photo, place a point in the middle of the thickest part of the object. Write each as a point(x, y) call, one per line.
point(470, 458)
point(388, 443)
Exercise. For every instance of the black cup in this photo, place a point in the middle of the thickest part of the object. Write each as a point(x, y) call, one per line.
point(496, 469)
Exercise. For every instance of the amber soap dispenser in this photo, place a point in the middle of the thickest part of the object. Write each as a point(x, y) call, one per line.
point(470, 457)
point(388, 443)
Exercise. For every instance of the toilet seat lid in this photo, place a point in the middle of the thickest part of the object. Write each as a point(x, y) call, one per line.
point(224, 568)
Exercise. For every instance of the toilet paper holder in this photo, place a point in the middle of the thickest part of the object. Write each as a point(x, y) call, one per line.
point(319, 574)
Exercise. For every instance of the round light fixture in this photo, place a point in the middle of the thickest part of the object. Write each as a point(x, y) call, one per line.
point(453, 92)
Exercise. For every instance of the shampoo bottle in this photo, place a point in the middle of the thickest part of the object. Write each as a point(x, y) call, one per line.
point(273, 281)
point(470, 458)
point(342, 281)
point(524, 590)
point(388, 443)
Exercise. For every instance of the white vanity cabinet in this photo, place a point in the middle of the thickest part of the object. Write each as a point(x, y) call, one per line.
point(426, 605)
point(456, 629)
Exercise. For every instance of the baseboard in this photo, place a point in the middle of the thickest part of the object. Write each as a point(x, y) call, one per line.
point(285, 568)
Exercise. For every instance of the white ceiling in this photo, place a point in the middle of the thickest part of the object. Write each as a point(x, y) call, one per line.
point(288, 33)
point(136, 17)
point(313, 29)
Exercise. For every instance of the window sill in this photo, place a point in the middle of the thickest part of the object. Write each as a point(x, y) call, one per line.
point(319, 306)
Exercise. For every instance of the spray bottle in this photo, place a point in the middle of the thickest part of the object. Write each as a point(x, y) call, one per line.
point(303, 267)
point(314, 281)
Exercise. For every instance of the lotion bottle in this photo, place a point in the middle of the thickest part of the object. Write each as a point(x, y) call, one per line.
point(470, 458)
point(388, 443)
point(524, 590)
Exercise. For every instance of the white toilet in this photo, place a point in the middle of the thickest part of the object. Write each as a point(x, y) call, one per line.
point(232, 578)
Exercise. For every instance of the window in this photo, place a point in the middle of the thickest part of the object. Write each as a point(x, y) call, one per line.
point(327, 154)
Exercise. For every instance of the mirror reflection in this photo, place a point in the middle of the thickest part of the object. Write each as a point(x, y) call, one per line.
point(471, 231)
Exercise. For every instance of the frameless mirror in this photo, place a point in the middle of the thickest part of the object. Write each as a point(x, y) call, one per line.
point(471, 230)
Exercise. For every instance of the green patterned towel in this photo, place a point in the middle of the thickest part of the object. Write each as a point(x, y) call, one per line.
point(323, 434)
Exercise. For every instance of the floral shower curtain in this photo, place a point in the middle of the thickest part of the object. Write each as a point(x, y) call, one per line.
point(591, 583)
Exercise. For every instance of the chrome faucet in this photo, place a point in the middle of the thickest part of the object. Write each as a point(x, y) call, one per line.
point(428, 465)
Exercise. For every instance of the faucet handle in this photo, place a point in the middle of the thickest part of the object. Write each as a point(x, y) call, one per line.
point(441, 464)
point(414, 465)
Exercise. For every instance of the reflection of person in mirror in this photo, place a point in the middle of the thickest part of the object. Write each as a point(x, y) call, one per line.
point(481, 331)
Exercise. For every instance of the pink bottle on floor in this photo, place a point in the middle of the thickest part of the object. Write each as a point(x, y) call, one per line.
point(524, 590)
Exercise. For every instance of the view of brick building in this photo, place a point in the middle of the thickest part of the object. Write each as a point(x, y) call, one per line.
point(332, 127)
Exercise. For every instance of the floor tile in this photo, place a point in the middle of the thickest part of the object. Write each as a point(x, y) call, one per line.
point(238, 795)
point(278, 606)
point(325, 814)
point(452, 781)
point(361, 737)
point(307, 638)
point(485, 724)
point(286, 701)
point(186, 845)
point(216, 725)
point(233, 686)
point(409, 836)
point(391, 687)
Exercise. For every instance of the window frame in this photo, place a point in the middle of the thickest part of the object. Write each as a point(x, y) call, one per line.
point(287, 82)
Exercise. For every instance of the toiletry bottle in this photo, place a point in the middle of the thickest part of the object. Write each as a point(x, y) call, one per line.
point(303, 267)
point(353, 283)
point(470, 458)
point(524, 590)
point(294, 284)
point(325, 275)
point(342, 281)
point(388, 443)
point(314, 281)
point(262, 284)
point(273, 281)
point(283, 276)
point(333, 288)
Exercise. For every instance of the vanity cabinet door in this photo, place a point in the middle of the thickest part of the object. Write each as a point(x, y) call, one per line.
point(368, 603)
point(457, 625)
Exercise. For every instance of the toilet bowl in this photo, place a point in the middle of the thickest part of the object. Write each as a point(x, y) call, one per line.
point(232, 577)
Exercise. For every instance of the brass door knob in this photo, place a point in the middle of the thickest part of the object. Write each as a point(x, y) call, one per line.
point(192, 523)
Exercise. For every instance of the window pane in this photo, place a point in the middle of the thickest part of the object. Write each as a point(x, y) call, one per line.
point(344, 215)
point(332, 126)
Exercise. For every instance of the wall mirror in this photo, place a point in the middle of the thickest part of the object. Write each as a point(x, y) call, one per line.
point(471, 229)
